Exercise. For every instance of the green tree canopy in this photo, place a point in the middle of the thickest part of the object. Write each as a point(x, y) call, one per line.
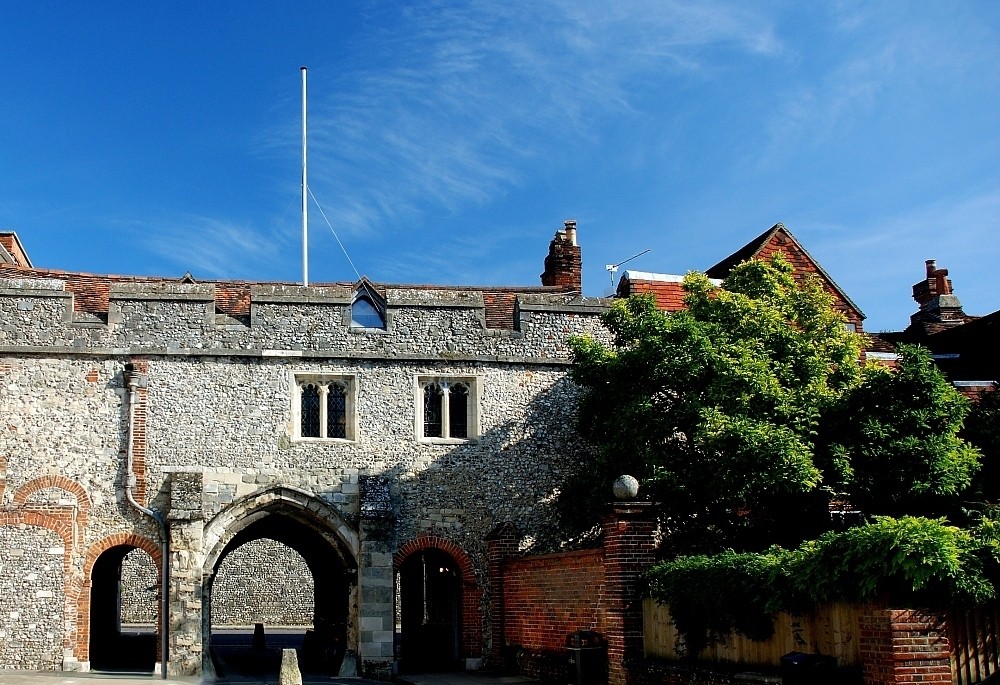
point(893, 442)
point(982, 429)
point(715, 409)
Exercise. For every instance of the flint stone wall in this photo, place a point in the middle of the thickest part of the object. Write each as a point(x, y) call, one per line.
point(219, 401)
point(261, 581)
point(31, 598)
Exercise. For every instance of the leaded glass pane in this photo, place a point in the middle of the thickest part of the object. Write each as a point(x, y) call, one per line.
point(310, 412)
point(336, 412)
point(432, 411)
point(458, 411)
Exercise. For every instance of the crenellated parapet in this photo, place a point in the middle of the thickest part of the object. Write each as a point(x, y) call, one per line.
point(42, 316)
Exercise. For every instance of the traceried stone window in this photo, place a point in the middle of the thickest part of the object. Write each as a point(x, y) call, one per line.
point(448, 409)
point(324, 407)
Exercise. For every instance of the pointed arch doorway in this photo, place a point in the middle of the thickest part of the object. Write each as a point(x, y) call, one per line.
point(295, 521)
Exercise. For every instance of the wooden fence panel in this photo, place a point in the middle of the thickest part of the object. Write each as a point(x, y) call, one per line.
point(832, 630)
point(975, 655)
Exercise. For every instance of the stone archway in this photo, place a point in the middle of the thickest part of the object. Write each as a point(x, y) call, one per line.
point(317, 535)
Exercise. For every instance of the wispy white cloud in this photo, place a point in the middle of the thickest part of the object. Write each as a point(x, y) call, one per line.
point(209, 248)
point(879, 259)
point(452, 102)
point(882, 55)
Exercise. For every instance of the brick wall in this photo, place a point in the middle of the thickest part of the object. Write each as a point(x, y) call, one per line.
point(547, 597)
point(904, 647)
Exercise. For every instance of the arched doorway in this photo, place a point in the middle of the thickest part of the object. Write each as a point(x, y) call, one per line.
point(429, 606)
point(279, 534)
point(123, 610)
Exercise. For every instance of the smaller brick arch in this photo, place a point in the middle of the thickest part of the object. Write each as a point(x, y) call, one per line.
point(115, 540)
point(83, 596)
point(472, 594)
point(22, 494)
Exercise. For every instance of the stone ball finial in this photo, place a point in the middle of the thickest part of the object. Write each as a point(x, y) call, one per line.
point(626, 487)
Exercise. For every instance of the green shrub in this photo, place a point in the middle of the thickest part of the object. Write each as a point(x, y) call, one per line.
point(908, 561)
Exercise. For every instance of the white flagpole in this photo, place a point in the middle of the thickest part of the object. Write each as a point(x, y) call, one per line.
point(305, 191)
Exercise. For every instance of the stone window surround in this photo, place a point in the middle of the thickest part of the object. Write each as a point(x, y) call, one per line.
point(348, 380)
point(474, 384)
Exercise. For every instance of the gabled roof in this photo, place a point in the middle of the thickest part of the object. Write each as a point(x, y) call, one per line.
point(11, 250)
point(775, 239)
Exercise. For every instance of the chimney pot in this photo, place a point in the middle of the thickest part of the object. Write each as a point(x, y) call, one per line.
point(569, 226)
point(931, 267)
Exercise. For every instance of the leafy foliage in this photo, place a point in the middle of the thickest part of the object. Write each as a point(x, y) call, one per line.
point(982, 429)
point(894, 445)
point(715, 409)
point(908, 560)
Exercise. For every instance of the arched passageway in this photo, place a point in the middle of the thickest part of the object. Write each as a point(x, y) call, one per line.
point(278, 550)
point(429, 606)
point(123, 610)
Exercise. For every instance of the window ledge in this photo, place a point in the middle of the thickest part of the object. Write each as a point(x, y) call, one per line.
point(447, 441)
point(323, 441)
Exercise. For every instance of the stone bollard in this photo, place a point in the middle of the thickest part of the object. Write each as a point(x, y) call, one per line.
point(290, 673)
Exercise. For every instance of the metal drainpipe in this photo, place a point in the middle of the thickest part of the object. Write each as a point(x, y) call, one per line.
point(132, 380)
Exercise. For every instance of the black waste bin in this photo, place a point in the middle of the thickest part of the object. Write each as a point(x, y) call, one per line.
point(588, 658)
point(799, 668)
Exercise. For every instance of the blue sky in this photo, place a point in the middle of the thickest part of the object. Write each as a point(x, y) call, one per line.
point(448, 141)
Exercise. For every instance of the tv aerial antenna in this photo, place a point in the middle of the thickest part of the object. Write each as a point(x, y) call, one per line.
point(613, 268)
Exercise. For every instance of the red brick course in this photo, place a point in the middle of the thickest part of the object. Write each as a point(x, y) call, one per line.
point(547, 597)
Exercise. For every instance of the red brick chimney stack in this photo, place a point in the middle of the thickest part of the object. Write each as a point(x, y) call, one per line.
point(564, 263)
point(939, 306)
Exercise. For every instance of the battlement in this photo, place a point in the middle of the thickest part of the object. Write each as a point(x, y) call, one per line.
point(220, 318)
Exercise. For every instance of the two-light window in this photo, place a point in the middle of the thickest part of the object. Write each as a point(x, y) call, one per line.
point(325, 407)
point(447, 409)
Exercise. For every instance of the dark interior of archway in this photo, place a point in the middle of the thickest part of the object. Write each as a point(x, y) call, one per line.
point(111, 649)
point(430, 597)
point(321, 649)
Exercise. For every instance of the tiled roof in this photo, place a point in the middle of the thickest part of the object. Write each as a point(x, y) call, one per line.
point(668, 289)
point(780, 239)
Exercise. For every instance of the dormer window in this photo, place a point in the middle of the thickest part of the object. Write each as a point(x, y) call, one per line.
point(364, 314)
point(368, 307)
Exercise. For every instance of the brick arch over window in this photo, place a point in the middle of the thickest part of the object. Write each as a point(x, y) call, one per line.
point(472, 594)
point(83, 602)
point(22, 494)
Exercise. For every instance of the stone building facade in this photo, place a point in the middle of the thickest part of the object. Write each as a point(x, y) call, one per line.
point(381, 432)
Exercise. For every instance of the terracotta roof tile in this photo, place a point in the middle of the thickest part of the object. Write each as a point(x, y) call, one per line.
point(500, 309)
